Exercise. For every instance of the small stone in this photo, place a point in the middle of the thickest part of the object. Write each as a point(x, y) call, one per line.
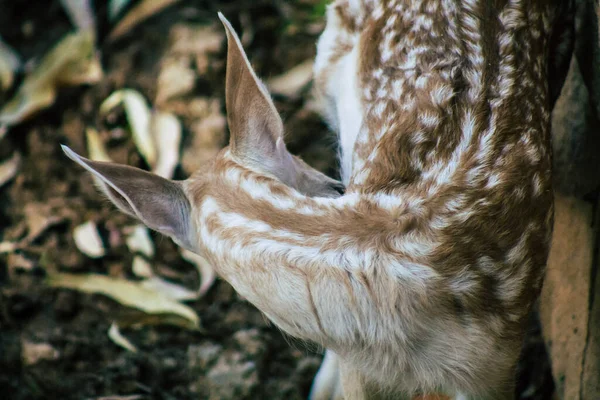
point(250, 342)
point(33, 353)
point(231, 377)
point(200, 357)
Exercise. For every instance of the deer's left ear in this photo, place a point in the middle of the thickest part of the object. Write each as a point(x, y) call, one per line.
point(255, 126)
point(159, 203)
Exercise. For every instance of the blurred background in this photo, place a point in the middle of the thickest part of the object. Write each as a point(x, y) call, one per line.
point(93, 305)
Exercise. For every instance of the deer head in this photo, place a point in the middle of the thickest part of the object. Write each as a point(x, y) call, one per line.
point(256, 142)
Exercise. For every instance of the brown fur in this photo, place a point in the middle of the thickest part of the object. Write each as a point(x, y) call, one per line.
point(420, 278)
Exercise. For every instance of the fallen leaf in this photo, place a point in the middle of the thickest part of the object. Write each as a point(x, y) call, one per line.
point(138, 116)
point(115, 335)
point(115, 7)
point(32, 353)
point(96, 150)
point(80, 13)
point(138, 240)
point(291, 83)
point(141, 268)
point(9, 168)
point(142, 11)
point(131, 294)
point(166, 131)
point(9, 64)
point(38, 218)
point(73, 61)
point(18, 261)
point(88, 241)
point(169, 289)
point(176, 78)
point(205, 270)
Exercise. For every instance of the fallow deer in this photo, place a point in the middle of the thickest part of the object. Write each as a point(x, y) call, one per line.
point(420, 277)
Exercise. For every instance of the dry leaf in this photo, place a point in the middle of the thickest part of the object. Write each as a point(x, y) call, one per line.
point(80, 13)
point(142, 11)
point(138, 240)
point(291, 83)
point(115, 7)
point(169, 289)
point(138, 116)
point(9, 168)
point(131, 294)
point(96, 150)
point(88, 241)
point(141, 268)
point(205, 270)
point(166, 131)
point(115, 335)
point(73, 61)
point(38, 218)
point(9, 64)
point(176, 78)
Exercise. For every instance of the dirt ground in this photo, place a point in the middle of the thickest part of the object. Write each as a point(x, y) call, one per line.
point(53, 342)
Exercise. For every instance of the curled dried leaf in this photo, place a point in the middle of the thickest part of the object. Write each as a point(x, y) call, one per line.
point(9, 64)
point(142, 11)
point(205, 270)
point(159, 307)
point(88, 241)
point(115, 335)
point(138, 116)
point(95, 146)
point(9, 168)
point(73, 61)
point(166, 131)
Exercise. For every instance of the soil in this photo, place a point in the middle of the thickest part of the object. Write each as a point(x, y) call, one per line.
point(54, 342)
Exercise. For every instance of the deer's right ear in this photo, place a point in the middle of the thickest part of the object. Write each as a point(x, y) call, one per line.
point(256, 127)
point(159, 203)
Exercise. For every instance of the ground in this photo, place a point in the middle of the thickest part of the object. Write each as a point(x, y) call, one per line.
point(54, 342)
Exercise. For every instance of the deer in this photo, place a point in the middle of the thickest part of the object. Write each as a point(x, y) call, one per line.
point(416, 272)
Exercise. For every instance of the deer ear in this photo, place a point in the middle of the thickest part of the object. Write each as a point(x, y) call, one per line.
point(159, 203)
point(255, 126)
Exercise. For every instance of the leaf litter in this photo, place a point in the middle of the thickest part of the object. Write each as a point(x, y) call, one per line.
point(9, 64)
point(130, 294)
point(9, 168)
point(142, 11)
point(73, 61)
point(96, 149)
